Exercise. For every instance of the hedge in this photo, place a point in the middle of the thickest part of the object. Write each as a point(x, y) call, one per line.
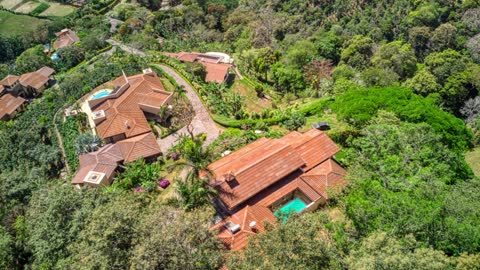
point(39, 9)
point(228, 122)
point(164, 74)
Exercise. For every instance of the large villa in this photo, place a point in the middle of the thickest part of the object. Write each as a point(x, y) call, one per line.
point(120, 118)
point(271, 178)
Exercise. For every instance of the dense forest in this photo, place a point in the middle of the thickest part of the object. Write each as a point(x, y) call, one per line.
point(398, 80)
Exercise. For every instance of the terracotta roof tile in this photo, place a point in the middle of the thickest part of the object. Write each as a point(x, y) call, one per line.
point(9, 104)
point(124, 114)
point(238, 240)
point(265, 163)
point(216, 72)
point(328, 176)
point(258, 190)
point(314, 146)
point(107, 158)
point(66, 37)
point(46, 71)
point(9, 80)
point(140, 146)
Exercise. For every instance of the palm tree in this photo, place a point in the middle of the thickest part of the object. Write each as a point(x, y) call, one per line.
point(179, 92)
point(194, 190)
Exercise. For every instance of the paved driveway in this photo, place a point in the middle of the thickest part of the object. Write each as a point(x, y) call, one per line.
point(201, 123)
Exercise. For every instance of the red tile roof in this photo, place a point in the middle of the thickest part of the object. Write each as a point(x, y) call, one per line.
point(244, 218)
point(314, 146)
point(46, 71)
point(33, 79)
point(66, 37)
point(275, 168)
point(9, 81)
point(9, 104)
point(254, 168)
point(106, 159)
point(124, 114)
point(326, 177)
point(216, 72)
point(144, 145)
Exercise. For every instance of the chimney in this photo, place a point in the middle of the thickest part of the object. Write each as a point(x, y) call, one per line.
point(229, 176)
point(253, 226)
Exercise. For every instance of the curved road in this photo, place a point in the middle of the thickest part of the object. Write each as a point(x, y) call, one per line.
point(201, 122)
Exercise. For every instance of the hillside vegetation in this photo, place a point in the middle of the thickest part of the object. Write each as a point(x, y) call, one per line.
point(398, 81)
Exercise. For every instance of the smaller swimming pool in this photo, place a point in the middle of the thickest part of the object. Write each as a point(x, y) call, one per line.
point(101, 94)
point(295, 206)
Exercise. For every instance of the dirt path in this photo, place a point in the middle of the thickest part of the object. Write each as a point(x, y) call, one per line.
point(60, 141)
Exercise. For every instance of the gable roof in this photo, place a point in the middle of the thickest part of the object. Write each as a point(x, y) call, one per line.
point(314, 146)
point(9, 104)
point(244, 217)
point(46, 71)
point(9, 80)
point(314, 184)
point(66, 37)
point(326, 177)
point(254, 168)
point(107, 158)
point(33, 79)
point(216, 71)
point(144, 145)
point(124, 113)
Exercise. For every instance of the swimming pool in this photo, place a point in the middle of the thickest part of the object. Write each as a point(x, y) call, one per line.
point(295, 206)
point(101, 94)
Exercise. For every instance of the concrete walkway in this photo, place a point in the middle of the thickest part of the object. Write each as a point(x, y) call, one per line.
point(201, 122)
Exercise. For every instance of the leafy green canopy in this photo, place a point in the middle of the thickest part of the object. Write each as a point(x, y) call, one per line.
point(401, 178)
point(357, 107)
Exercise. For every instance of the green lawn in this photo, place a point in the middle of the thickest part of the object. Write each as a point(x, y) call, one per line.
point(473, 159)
point(251, 101)
point(13, 24)
point(27, 7)
point(9, 4)
point(58, 10)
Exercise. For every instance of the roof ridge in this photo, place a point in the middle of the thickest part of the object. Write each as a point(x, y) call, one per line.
point(247, 152)
point(263, 158)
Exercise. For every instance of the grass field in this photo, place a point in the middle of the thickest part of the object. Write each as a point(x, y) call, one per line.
point(473, 159)
point(9, 4)
point(27, 7)
point(251, 102)
point(13, 24)
point(57, 9)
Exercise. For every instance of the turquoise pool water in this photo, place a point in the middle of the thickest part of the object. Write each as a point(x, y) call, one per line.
point(101, 94)
point(295, 206)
